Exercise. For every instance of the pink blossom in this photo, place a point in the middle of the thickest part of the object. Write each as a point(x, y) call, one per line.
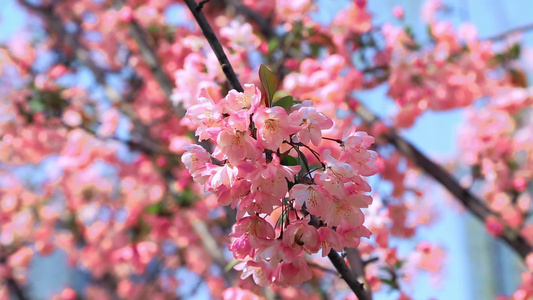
point(291, 273)
point(273, 126)
point(301, 234)
point(311, 122)
point(248, 100)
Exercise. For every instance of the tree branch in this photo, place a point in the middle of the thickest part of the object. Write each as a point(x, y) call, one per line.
point(215, 45)
point(358, 267)
point(264, 24)
point(12, 285)
point(505, 34)
point(150, 58)
point(314, 265)
point(15, 288)
point(347, 275)
point(470, 201)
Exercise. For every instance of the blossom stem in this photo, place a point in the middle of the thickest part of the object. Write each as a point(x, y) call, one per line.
point(322, 268)
point(330, 139)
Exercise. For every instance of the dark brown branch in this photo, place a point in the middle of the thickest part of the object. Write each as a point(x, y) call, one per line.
point(215, 45)
point(358, 267)
point(201, 5)
point(470, 201)
point(15, 288)
point(264, 24)
point(12, 285)
point(347, 275)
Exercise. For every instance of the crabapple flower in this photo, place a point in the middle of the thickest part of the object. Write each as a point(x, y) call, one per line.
point(301, 234)
point(273, 126)
point(249, 171)
point(311, 122)
point(241, 35)
point(206, 116)
point(248, 100)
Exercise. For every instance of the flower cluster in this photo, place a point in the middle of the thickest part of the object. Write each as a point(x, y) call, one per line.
point(286, 206)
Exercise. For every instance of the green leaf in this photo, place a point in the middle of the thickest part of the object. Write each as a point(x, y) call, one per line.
point(153, 29)
point(315, 49)
point(409, 32)
point(514, 51)
point(285, 102)
point(289, 161)
point(513, 165)
point(154, 208)
point(391, 282)
point(399, 264)
point(270, 83)
point(273, 44)
point(186, 198)
point(231, 264)
point(37, 105)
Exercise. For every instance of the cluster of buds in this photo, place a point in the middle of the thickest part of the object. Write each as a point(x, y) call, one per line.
point(286, 206)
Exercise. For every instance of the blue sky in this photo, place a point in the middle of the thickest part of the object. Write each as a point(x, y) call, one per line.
point(435, 133)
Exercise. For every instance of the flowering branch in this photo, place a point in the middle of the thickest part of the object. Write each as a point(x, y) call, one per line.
point(470, 201)
point(335, 258)
point(215, 45)
point(150, 58)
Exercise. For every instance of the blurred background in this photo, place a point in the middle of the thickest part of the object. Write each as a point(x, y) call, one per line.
point(477, 266)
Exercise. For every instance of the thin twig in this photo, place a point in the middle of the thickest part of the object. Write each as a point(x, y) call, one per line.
point(201, 5)
point(327, 270)
point(507, 33)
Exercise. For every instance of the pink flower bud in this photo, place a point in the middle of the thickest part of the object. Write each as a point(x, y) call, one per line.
point(58, 71)
point(493, 226)
point(292, 63)
point(68, 294)
point(126, 14)
point(519, 184)
point(361, 4)
point(263, 48)
point(397, 11)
